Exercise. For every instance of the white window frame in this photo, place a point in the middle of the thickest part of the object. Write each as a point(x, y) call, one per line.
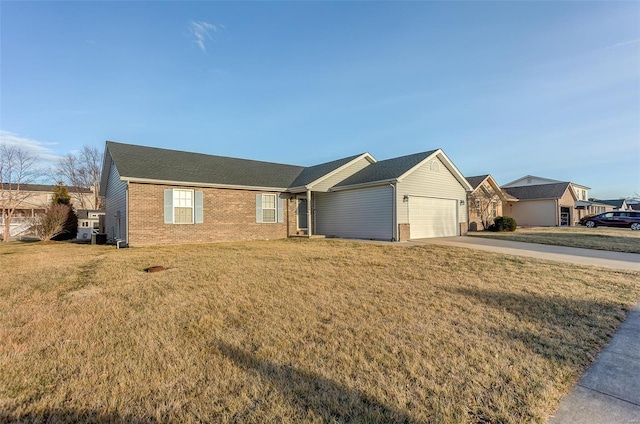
point(176, 204)
point(274, 208)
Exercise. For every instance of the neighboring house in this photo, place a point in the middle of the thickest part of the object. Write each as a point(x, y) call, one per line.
point(550, 202)
point(88, 221)
point(485, 200)
point(547, 205)
point(618, 204)
point(591, 207)
point(36, 198)
point(159, 196)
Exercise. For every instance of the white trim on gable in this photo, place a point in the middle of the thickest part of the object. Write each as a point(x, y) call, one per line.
point(447, 163)
point(528, 180)
point(309, 186)
point(494, 185)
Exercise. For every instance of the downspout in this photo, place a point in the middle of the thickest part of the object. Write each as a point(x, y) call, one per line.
point(557, 213)
point(126, 216)
point(394, 214)
point(309, 214)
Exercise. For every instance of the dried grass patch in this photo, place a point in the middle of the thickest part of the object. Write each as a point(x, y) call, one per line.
point(601, 238)
point(296, 331)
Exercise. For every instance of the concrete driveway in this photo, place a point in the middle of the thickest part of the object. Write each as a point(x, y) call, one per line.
point(617, 260)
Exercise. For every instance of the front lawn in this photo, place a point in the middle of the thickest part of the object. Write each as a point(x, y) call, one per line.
point(600, 238)
point(296, 331)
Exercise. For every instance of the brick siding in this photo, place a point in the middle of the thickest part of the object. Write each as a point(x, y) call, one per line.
point(229, 215)
point(404, 232)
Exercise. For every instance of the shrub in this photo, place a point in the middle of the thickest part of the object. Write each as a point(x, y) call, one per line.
point(51, 224)
point(59, 222)
point(503, 223)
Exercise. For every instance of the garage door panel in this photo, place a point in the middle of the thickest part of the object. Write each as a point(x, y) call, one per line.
point(431, 217)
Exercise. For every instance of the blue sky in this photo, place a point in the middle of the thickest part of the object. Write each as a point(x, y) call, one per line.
point(508, 88)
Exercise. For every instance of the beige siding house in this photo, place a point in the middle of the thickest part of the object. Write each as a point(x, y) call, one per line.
point(160, 196)
point(33, 199)
point(580, 205)
point(38, 196)
point(547, 205)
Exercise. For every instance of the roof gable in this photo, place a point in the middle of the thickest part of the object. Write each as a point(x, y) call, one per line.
point(531, 180)
point(475, 181)
point(618, 203)
point(314, 174)
point(386, 170)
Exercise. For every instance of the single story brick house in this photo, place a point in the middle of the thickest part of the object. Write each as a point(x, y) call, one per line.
point(617, 204)
point(158, 196)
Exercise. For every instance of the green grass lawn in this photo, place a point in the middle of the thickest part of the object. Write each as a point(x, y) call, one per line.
point(601, 238)
point(296, 331)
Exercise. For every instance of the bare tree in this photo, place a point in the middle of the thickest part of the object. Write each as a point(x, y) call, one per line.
point(483, 200)
point(16, 170)
point(81, 171)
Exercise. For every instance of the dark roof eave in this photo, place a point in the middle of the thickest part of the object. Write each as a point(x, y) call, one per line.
point(201, 184)
point(367, 184)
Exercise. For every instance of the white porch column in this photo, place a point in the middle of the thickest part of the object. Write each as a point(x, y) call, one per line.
point(309, 203)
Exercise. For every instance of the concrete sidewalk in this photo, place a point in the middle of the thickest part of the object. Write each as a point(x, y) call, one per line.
point(609, 391)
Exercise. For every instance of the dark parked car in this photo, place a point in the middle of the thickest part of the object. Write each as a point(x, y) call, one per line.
point(629, 219)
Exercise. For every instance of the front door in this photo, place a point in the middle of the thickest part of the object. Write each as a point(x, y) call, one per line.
point(301, 212)
point(565, 217)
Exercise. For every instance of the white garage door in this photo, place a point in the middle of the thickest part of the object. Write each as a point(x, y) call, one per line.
point(432, 217)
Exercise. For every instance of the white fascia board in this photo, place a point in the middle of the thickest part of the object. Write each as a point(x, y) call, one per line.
point(365, 155)
point(204, 185)
point(301, 189)
point(473, 190)
point(106, 168)
point(533, 200)
point(550, 180)
point(362, 185)
point(447, 163)
point(572, 191)
point(580, 186)
point(495, 187)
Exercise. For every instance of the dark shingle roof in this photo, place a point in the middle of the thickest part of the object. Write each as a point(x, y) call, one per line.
point(173, 165)
point(386, 169)
point(542, 191)
point(476, 180)
point(617, 203)
point(312, 173)
point(84, 213)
